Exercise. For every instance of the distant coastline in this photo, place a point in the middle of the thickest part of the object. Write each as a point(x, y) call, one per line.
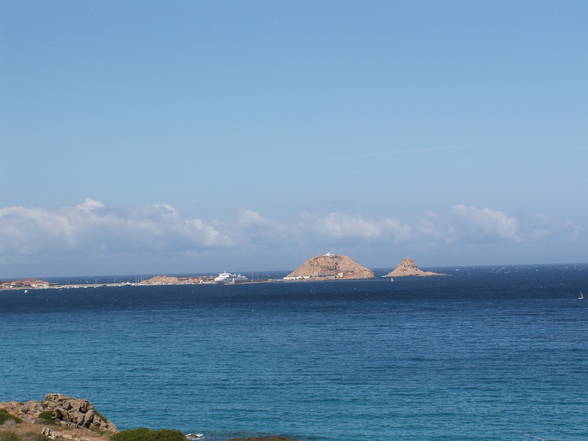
point(328, 266)
point(320, 268)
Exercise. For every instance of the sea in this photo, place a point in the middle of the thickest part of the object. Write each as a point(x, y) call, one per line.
point(486, 353)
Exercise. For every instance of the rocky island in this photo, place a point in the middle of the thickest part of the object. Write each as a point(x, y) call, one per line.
point(408, 267)
point(330, 266)
point(63, 418)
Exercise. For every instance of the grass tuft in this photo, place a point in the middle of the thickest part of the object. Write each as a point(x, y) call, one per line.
point(144, 434)
point(31, 436)
point(9, 436)
point(98, 414)
point(5, 416)
point(47, 418)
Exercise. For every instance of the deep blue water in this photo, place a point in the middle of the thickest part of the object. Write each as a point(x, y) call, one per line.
point(489, 353)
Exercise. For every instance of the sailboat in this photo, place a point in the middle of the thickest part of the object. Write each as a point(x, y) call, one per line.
point(581, 296)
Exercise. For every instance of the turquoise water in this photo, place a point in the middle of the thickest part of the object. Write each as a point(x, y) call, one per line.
point(493, 353)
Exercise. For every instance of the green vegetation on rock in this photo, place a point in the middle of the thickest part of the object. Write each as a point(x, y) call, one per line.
point(99, 415)
point(47, 418)
point(5, 416)
point(9, 436)
point(29, 436)
point(35, 437)
point(144, 434)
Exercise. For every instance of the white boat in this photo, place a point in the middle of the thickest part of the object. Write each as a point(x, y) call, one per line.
point(230, 278)
point(26, 291)
point(581, 296)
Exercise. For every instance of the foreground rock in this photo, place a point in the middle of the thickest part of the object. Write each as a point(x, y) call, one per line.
point(408, 267)
point(63, 418)
point(60, 412)
point(330, 266)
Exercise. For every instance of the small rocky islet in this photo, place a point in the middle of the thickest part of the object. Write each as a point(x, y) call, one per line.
point(330, 266)
point(62, 418)
point(335, 266)
point(409, 268)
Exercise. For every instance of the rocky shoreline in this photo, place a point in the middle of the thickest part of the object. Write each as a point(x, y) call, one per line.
point(63, 418)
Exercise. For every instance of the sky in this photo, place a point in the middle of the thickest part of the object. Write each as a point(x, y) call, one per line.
point(186, 137)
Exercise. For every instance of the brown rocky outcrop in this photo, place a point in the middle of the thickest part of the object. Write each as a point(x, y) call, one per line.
point(408, 267)
point(24, 284)
point(330, 266)
point(161, 280)
point(67, 412)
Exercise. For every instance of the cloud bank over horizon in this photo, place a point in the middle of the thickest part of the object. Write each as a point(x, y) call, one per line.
point(92, 229)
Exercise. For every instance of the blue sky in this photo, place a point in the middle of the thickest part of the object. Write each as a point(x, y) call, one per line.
point(181, 136)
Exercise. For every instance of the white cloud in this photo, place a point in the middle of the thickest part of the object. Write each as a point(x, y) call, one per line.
point(345, 226)
point(252, 228)
point(89, 204)
point(29, 230)
point(90, 227)
point(485, 223)
point(166, 209)
point(327, 229)
point(433, 227)
point(542, 226)
point(573, 229)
